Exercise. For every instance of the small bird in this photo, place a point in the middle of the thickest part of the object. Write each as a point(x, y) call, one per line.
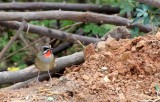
point(45, 60)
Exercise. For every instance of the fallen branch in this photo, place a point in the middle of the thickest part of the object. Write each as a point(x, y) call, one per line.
point(50, 32)
point(154, 3)
point(25, 83)
point(12, 39)
point(27, 73)
point(30, 72)
point(65, 45)
point(72, 15)
point(56, 6)
point(62, 47)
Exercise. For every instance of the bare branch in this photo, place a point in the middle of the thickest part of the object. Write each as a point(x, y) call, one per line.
point(62, 47)
point(72, 15)
point(154, 3)
point(30, 72)
point(55, 50)
point(27, 73)
point(12, 39)
point(50, 32)
point(56, 6)
point(66, 45)
point(22, 48)
point(25, 83)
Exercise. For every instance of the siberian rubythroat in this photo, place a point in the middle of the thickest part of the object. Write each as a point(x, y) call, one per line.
point(45, 60)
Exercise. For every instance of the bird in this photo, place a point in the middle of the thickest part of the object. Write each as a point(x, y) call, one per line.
point(45, 60)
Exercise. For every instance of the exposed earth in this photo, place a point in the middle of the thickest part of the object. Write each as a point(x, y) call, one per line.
point(127, 70)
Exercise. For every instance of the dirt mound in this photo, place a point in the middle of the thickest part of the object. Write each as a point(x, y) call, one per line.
point(124, 70)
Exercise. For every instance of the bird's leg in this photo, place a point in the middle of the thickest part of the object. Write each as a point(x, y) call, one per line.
point(38, 77)
point(50, 77)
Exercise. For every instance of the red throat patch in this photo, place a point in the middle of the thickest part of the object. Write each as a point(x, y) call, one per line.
point(48, 54)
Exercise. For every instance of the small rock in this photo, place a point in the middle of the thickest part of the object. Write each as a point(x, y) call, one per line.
point(109, 39)
point(133, 49)
point(104, 69)
point(109, 54)
point(50, 99)
point(141, 76)
point(27, 97)
point(80, 96)
point(106, 79)
point(122, 97)
point(140, 44)
point(85, 77)
point(113, 74)
point(125, 56)
point(101, 45)
point(100, 75)
point(64, 79)
point(93, 87)
point(113, 44)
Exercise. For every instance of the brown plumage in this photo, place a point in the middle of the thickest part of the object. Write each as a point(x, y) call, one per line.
point(45, 60)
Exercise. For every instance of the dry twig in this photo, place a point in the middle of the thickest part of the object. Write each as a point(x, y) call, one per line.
point(56, 6)
point(12, 39)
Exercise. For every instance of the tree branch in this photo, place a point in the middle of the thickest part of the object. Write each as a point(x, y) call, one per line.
point(25, 83)
point(66, 45)
point(50, 32)
point(72, 15)
point(154, 3)
point(56, 6)
point(30, 72)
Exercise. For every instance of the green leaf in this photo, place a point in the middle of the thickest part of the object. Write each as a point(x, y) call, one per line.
point(140, 10)
point(156, 11)
point(22, 66)
point(144, 7)
point(135, 32)
point(157, 87)
point(87, 28)
point(67, 22)
point(156, 20)
point(136, 29)
point(136, 19)
point(95, 29)
point(145, 14)
point(146, 20)
point(140, 14)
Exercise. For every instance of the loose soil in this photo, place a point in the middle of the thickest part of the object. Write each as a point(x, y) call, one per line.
point(127, 70)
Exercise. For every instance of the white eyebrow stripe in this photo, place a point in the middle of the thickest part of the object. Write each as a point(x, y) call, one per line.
point(46, 51)
point(47, 46)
